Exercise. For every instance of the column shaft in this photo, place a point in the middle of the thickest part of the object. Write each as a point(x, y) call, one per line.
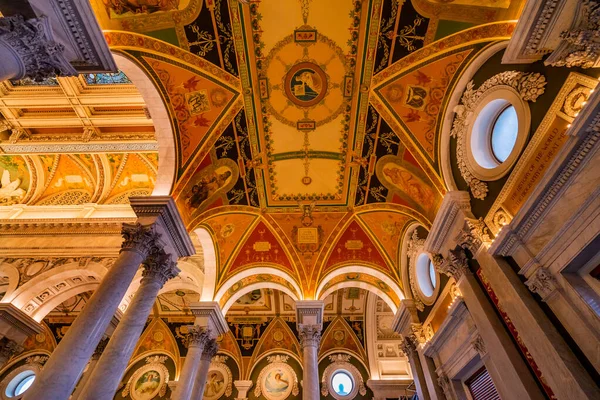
point(61, 372)
point(417, 369)
point(559, 366)
point(105, 379)
point(310, 338)
point(509, 372)
point(196, 340)
point(210, 350)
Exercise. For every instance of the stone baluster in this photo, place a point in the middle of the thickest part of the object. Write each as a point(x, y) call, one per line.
point(28, 49)
point(63, 369)
point(242, 387)
point(195, 340)
point(105, 378)
point(210, 350)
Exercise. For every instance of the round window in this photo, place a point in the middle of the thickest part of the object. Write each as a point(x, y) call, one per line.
point(504, 133)
point(497, 134)
point(342, 383)
point(426, 275)
point(20, 383)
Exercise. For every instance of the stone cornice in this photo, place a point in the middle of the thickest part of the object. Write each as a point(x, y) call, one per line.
point(162, 211)
point(209, 316)
point(450, 217)
point(309, 312)
point(53, 227)
point(18, 320)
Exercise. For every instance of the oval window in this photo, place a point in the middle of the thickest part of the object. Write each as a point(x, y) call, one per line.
point(20, 383)
point(341, 383)
point(504, 133)
point(426, 276)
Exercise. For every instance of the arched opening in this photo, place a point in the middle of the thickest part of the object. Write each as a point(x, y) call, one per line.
point(361, 277)
point(161, 120)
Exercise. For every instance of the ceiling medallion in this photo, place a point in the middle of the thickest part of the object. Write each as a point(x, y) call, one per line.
point(307, 180)
point(305, 84)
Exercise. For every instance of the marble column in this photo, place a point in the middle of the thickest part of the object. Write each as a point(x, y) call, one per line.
point(310, 339)
point(562, 371)
point(195, 341)
point(90, 368)
point(60, 374)
point(28, 49)
point(210, 350)
point(243, 387)
point(105, 379)
point(507, 369)
point(410, 350)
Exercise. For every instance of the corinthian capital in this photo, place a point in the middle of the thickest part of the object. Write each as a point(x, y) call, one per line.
point(408, 346)
point(141, 239)
point(196, 336)
point(160, 267)
point(455, 266)
point(211, 348)
point(543, 283)
point(39, 55)
point(310, 335)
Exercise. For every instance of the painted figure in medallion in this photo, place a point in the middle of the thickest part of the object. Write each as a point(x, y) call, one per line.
point(208, 185)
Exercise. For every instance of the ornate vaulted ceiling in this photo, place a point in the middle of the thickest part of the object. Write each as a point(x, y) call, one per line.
point(307, 132)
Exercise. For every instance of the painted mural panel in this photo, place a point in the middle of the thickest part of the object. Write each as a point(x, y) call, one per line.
point(14, 180)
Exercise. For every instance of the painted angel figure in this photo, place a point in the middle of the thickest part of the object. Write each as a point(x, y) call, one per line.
point(10, 191)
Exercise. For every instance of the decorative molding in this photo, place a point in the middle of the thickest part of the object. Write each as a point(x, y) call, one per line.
point(19, 320)
point(543, 283)
point(455, 266)
point(474, 234)
point(529, 86)
point(580, 45)
point(89, 147)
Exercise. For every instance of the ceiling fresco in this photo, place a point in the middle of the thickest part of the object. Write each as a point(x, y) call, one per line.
point(308, 143)
point(307, 133)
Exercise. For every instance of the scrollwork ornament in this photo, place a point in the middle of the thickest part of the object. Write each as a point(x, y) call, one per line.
point(529, 86)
